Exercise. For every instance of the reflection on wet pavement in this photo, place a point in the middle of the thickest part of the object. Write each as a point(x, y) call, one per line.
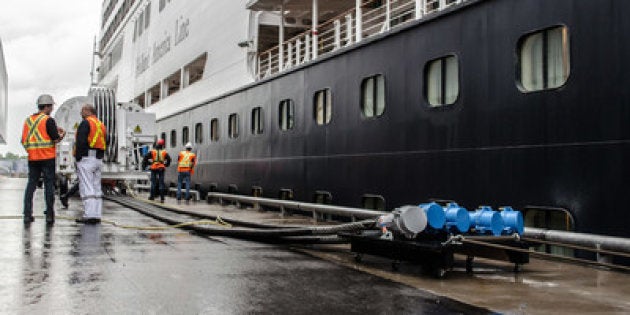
point(74, 268)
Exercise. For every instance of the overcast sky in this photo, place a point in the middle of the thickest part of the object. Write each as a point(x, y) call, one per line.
point(47, 49)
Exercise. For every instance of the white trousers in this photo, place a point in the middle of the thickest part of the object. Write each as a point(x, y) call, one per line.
point(89, 173)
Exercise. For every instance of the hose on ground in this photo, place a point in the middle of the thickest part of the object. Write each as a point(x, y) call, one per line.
point(274, 235)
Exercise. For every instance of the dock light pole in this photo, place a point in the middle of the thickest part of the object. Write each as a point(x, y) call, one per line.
point(359, 20)
point(314, 27)
point(281, 40)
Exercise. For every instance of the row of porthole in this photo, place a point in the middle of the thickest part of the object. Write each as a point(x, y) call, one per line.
point(536, 73)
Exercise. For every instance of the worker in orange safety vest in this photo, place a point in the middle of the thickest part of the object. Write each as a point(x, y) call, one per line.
point(185, 168)
point(90, 150)
point(39, 136)
point(159, 160)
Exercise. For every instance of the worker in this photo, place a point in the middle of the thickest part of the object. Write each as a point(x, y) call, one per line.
point(185, 168)
point(159, 160)
point(90, 150)
point(39, 136)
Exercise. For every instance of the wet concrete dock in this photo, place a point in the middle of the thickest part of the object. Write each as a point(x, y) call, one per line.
point(102, 269)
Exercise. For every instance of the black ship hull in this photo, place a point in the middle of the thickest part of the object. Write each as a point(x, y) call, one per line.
point(563, 148)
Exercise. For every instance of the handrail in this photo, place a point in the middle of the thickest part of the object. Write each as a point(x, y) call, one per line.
point(341, 30)
point(315, 208)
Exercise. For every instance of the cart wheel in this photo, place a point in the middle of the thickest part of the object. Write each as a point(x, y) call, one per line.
point(395, 265)
point(358, 258)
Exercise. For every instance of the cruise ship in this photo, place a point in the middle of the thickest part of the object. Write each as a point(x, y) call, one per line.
point(4, 97)
point(382, 103)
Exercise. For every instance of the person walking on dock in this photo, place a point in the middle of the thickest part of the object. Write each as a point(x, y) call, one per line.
point(90, 149)
point(159, 161)
point(39, 136)
point(185, 168)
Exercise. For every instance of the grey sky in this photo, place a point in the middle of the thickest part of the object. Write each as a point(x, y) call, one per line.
point(47, 49)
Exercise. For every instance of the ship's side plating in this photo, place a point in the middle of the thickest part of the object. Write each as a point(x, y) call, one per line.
point(566, 147)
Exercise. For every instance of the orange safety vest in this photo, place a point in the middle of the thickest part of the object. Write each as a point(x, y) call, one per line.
point(96, 138)
point(158, 157)
point(186, 161)
point(36, 139)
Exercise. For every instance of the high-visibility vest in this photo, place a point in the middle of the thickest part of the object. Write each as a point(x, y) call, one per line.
point(36, 139)
point(186, 161)
point(158, 157)
point(96, 138)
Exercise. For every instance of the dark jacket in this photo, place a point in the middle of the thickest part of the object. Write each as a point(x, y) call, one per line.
point(82, 144)
point(147, 157)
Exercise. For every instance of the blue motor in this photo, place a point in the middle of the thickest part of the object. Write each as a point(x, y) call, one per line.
point(457, 218)
point(485, 220)
point(435, 215)
point(513, 221)
point(144, 150)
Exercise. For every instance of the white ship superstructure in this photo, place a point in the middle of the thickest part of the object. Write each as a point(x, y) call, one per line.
point(167, 55)
point(4, 87)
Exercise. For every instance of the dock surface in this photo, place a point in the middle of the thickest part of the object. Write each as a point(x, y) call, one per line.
point(98, 269)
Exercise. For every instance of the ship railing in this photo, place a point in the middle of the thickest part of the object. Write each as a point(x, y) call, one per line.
point(343, 30)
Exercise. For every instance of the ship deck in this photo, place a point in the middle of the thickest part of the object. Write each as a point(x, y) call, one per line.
point(75, 268)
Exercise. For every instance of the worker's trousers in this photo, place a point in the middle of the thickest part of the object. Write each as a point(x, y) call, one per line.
point(89, 173)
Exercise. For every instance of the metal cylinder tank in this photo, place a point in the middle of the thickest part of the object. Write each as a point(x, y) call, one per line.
point(104, 100)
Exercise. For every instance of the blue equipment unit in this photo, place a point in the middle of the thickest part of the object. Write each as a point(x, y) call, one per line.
point(457, 218)
point(513, 221)
point(485, 220)
point(435, 215)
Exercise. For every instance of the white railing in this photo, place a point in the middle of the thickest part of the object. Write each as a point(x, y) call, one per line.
point(341, 31)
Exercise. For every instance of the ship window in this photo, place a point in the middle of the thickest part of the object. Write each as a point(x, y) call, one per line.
point(162, 5)
point(139, 24)
point(322, 197)
point(140, 100)
point(173, 138)
point(373, 96)
point(442, 81)
point(185, 135)
point(233, 126)
point(154, 94)
point(198, 133)
point(544, 59)
point(173, 83)
point(147, 15)
point(550, 218)
point(163, 137)
point(322, 107)
point(193, 72)
point(374, 202)
point(286, 114)
point(214, 130)
point(257, 121)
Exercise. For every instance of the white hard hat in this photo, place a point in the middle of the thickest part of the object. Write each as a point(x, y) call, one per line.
point(188, 145)
point(45, 99)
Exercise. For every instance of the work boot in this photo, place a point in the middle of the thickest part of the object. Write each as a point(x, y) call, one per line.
point(179, 201)
point(64, 200)
point(50, 217)
point(151, 198)
point(28, 218)
point(88, 220)
point(162, 200)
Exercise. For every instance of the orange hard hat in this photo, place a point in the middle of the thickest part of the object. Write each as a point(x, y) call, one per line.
point(160, 142)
